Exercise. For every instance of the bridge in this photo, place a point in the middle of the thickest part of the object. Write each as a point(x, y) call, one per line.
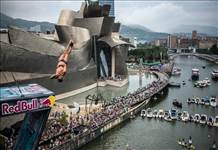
point(212, 58)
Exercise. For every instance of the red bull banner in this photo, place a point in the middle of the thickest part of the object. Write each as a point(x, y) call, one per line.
point(26, 105)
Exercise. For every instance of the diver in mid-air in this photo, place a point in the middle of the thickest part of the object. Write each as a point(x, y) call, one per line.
point(62, 63)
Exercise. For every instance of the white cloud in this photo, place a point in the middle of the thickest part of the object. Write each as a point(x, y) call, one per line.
point(163, 16)
point(38, 10)
point(159, 16)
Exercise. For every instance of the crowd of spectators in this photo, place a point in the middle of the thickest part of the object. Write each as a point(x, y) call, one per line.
point(116, 78)
point(56, 133)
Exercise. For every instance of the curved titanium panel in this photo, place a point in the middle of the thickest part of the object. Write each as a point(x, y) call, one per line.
point(113, 41)
point(116, 27)
point(34, 43)
point(79, 35)
point(16, 59)
point(100, 26)
point(32, 48)
point(120, 60)
point(66, 17)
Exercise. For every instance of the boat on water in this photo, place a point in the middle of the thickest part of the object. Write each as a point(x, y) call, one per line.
point(206, 100)
point(173, 114)
point(185, 116)
point(149, 113)
point(213, 147)
point(177, 103)
point(174, 84)
point(155, 114)
point(154, 98)
point(197, 118)
point(207, 80)
point(167, 116)
point(201, 84)
point(214, 74)
point(185, 144)
point(176, 71)
point(203, 119)
point(210, 121)
point(215, 121)
point(189, 100)
point(143, 113)
point(201, 102)
point(197, 100)
point(161, 113)
point(195, 73)
point(213, 101)
point(179, 115)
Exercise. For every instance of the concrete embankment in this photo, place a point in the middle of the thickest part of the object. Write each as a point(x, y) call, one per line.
point(102, 83)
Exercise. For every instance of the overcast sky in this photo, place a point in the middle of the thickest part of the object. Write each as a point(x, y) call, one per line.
point(156, 15)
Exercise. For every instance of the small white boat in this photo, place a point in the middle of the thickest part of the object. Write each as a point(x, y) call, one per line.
point(213, 147)
point(207, 80)
point(185, 116)
point(185, 144)
point(197, 118)
point(143, 113)
point(210, 121)
point(155, 98)
point(176, 73)
point(161, 113)
point(201, 101)
point(149, 113)
point(214, 74)
point(215, 121)
point(179, 116)
point(167, 116)
point(173, 114)
point(155, 113)
point(189, 100)
point(197, 100)
point(203, 119)
point(207, 102)
point(213, 102)
point(195, 73)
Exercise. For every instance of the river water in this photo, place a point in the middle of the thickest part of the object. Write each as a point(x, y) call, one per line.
point(151, 134)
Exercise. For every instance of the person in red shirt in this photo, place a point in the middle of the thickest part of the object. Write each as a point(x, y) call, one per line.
point(62, 63)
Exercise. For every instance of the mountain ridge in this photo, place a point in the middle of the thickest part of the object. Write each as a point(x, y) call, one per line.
point(24, 24)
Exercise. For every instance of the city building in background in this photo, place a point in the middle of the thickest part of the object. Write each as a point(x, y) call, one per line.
point(134, 42)
point(172, 42)
point(109, 2)
point(194, 35)
point(161, 42)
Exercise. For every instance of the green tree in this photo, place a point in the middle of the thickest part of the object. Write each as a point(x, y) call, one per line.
point(63, 119)
point(214, 49)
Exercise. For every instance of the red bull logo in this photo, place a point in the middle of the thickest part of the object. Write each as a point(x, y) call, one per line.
point(48, 101)
point(27, 105)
